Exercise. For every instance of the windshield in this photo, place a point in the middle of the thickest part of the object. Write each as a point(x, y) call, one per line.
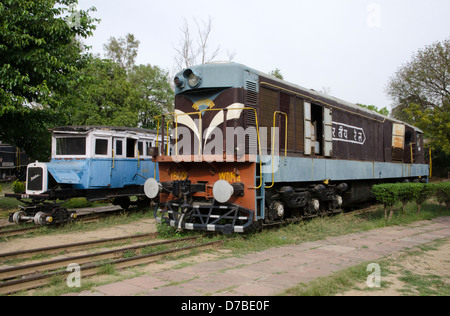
point(73, 146)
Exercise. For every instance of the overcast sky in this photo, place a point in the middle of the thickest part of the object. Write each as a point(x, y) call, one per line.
point(350, 47)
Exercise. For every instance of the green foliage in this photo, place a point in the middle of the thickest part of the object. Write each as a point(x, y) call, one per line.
point(40, 53)
point(420, 193)
point(277, 73)
point(104, 96)
point(389, 194)
point(442, 193)
point(384, 111)
point(18, 187)
point(403, 193)
point(155, 94)
point(123, 51)
point(109, 95)
point(420, 92)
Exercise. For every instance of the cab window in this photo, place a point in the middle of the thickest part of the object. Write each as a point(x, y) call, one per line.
point(71, 146)
point(101, 147)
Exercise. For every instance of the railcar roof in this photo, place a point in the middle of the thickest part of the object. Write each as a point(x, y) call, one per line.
point(102, 128)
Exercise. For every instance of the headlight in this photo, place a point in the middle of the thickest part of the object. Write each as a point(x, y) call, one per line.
point(192, 78)
point(179, 82)
point(222, 191)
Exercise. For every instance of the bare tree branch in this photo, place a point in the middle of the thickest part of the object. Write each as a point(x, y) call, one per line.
point(189, 52)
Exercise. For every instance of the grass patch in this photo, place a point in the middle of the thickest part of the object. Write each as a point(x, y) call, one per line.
point(425, 285)
point(347, 279)
point(321, 228)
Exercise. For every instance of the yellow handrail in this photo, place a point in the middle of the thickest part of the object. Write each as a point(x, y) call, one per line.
point(273, 144)
point(168, 138)
point(257, 132)
point(201, 133)
point(157, 129)
point(139, 159)
point(431, 164)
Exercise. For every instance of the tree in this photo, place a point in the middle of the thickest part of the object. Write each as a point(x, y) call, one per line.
point(105, 96)
point(193, 51)
point(384, 111)
point(276, 73)
point(123, 50)
point(421, 94)
point(110, 95)
point(39, 53)
point(155, 93)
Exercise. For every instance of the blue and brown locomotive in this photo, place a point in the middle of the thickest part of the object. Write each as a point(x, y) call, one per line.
point(251, 150)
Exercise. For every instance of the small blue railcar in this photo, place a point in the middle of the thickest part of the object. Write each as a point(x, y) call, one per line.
point(95, 162)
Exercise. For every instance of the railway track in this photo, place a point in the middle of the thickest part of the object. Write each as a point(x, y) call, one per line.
point(31, 276)
point(83, 215)
point(6, 232)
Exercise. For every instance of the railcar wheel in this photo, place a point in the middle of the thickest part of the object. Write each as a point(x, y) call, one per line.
point(123, 202)
point(17, 217)
point(40, 218)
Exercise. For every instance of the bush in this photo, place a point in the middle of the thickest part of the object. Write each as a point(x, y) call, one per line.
point(404, 194)
point(389, 194)
point(18, 187)
point(442, 193)
point(420, 193)
point(386, 194)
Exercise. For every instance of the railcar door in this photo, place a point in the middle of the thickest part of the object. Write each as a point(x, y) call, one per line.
point(131, 162)
point(101, 163)
point(145, 165)
point(119, 162)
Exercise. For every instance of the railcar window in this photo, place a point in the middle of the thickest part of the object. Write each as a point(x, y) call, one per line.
point(131, 148)
point(141, 149)
point(149, 147)
point(408, 137)
point(75, 146)
point(101, 147)
point(119, 147)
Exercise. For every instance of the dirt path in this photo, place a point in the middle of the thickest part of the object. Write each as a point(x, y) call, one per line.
point(431, 265)
point(272, 271)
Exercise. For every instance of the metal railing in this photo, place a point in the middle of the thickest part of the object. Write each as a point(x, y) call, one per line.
point(161, 121)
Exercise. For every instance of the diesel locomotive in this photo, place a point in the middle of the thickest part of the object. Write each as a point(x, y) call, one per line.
point(251, 150)
point(95, 162)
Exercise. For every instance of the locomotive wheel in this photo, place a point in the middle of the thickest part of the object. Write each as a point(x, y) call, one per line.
point(40, 218)
point(17, 217)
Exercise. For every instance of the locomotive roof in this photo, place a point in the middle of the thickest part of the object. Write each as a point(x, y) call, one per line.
point(230, 72)
point(324, 96)
point(87, 129)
